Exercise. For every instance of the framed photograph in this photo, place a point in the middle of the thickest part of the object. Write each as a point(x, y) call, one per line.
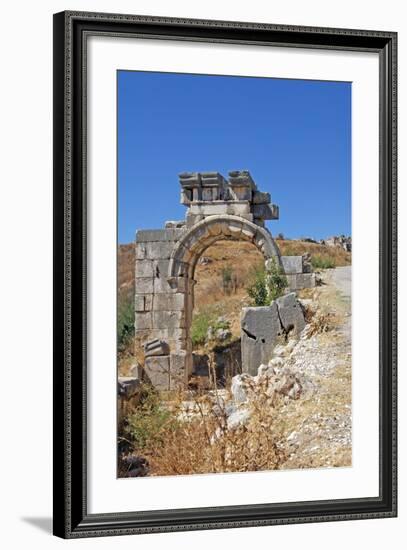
point(224, 274)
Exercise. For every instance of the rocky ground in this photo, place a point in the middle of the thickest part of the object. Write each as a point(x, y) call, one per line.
point(306, 385)
point(320, 421)
point(297, 410)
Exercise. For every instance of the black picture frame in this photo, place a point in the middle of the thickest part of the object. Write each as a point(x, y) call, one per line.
point(71, 518)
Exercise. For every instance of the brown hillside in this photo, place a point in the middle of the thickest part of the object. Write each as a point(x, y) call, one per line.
point(239, 256)
point(125, 270)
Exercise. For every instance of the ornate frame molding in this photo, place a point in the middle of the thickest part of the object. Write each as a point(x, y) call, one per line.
point(71, 30)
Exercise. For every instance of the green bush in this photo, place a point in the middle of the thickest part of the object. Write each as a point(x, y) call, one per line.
point(144, 426)
point(227, 279)
point(201, 323)
point(266, 285)
point(199, 328)
point(257, 289)
point(319, 261)
point(125, 323)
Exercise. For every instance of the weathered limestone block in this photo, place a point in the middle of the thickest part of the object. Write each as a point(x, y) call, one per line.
point(156, 347)
point(297, 281)
point(292, 264)
point(157, 371)
point(178, 268)
point(174, 224)
point(192, 219)
point(261, 329)
point(143, 302)
point(175, 338)
point(170, 301)
point(141, 252)
point(158, 235)
point(290, 313)
point(157, 250)
point(260, 197)
point(235, 228)
point(264, 211)
point(168, 319)
point(143, 320)
point(174, 284)
point(248, 234)
point(128, 393)
point(144, 268)
point(128, 386)
point(161, 268)
point(180, 370)
point(144, 285)
point(234, 208)
point(241, 185)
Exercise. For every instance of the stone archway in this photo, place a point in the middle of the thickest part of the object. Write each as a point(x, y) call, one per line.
point(217, 209)
point(186, 254)
point(214, 228)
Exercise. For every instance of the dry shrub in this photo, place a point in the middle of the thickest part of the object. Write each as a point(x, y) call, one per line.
point(204, 444)
point(320, 323)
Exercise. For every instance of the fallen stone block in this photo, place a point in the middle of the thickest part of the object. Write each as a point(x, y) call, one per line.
point(156, 347)
point(261, 329)
point(128, 386)
point(290, 313)
point(180, 370)
point(157, 371)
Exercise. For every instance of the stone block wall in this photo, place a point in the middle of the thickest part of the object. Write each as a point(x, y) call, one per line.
point(217, 209)
point(160, 310)
point(298, 271)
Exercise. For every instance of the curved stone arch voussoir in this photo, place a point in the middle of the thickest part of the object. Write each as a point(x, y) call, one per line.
point(214, 228)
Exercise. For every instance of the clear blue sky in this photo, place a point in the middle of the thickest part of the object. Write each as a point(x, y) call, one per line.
point(294, 136)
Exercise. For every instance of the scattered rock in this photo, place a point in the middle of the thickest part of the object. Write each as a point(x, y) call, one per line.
point(238, 418)
point(238, 388)
point(204, 260)
point(276, 362)
point(223, 334)
point(265, 370)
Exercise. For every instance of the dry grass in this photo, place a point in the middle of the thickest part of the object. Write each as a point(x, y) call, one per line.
point(202, 443)
point(337, 255)
point(311, 416)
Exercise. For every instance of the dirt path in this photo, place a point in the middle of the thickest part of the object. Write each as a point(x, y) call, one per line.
point(319, 423)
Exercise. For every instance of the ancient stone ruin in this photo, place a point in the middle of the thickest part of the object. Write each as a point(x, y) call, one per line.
point(217, 209)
